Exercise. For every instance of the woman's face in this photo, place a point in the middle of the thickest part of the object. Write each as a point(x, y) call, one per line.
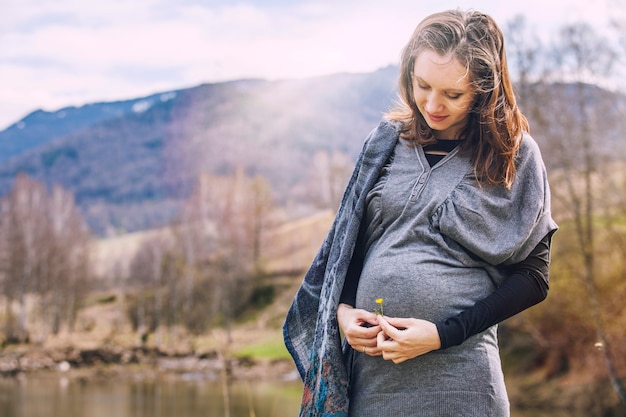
point(442, 92)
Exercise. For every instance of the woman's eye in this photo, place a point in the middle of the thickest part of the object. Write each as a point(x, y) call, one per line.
point(454, 96)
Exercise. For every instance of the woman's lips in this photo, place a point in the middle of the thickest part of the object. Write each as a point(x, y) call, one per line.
point(436, 118)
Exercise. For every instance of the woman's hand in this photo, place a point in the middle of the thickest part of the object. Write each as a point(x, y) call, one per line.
point(360, 327)
point(401, 339)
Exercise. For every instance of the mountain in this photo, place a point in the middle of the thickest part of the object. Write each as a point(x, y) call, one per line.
point(131, 163)
point(41, 127)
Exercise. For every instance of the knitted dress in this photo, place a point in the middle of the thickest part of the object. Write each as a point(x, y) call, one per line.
point(435, 240)
point(432, 239)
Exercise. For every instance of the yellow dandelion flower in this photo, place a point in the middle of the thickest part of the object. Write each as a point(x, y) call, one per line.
point(379, 310)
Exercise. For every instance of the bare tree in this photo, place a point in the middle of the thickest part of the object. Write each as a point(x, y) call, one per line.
point(618, 20)
point(68, 270)
point(580, 127)
point(524, 55)
point(24, 233)
point(259, 216)
point(583, 58)
point(218, 248)
point(232, 258)
point(45, 254)
point(151, 283)
point(328, 175)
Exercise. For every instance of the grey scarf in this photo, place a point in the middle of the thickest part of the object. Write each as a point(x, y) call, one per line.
point(311, 331)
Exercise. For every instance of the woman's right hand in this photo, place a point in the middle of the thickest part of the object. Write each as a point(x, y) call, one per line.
point(360, 328)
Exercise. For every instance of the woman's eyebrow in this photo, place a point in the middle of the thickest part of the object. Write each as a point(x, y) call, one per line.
point(458, 90)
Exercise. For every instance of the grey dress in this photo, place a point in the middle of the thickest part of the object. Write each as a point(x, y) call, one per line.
point(435, 244)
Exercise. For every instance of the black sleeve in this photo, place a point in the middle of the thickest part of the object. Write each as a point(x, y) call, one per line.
point(348, 295)
point(526, 285)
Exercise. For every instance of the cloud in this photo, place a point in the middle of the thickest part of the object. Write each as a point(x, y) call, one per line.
point(56, 53)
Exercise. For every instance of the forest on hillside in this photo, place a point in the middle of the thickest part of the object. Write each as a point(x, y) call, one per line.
point(130, 169)
point(208, 268)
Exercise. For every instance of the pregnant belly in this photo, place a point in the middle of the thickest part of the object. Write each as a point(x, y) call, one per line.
point(429, 290)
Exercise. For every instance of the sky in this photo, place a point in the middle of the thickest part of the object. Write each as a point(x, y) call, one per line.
point(59, 53)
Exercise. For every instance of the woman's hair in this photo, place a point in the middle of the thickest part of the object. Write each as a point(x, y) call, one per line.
point(495, 124)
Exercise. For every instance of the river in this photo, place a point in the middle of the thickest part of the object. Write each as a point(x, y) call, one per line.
point(186, 395)
point(52, 395)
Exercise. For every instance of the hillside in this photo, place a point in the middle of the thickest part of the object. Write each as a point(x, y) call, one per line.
point(286, 249)
point(41, 127)
point(130, 163)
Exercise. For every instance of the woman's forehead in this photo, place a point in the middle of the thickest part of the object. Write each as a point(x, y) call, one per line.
point(435, 68)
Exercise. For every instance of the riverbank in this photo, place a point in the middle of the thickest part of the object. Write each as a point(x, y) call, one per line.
point(105, 348)
point(264, 361)
point(252, 350)
point(111, 360)
point(104, 340)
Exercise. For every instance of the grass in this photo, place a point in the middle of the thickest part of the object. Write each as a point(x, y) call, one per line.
point(272, 350)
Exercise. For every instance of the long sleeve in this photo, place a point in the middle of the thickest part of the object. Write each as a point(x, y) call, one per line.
point(348, 295)
point(526, 285)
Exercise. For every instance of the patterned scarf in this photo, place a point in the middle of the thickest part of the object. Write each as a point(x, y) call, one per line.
point(311, 331)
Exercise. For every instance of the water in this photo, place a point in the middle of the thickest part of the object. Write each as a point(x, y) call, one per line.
point(56, 395)
point(52, 395)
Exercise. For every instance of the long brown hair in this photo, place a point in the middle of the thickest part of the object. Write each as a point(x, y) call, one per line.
point(495, 123)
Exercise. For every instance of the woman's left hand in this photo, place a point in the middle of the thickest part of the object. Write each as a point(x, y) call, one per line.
point(405, 338)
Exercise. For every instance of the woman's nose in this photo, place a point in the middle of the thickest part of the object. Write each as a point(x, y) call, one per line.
point(433, 104)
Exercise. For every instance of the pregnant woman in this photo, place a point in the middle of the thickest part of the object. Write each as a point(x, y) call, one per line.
point(443, 232)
